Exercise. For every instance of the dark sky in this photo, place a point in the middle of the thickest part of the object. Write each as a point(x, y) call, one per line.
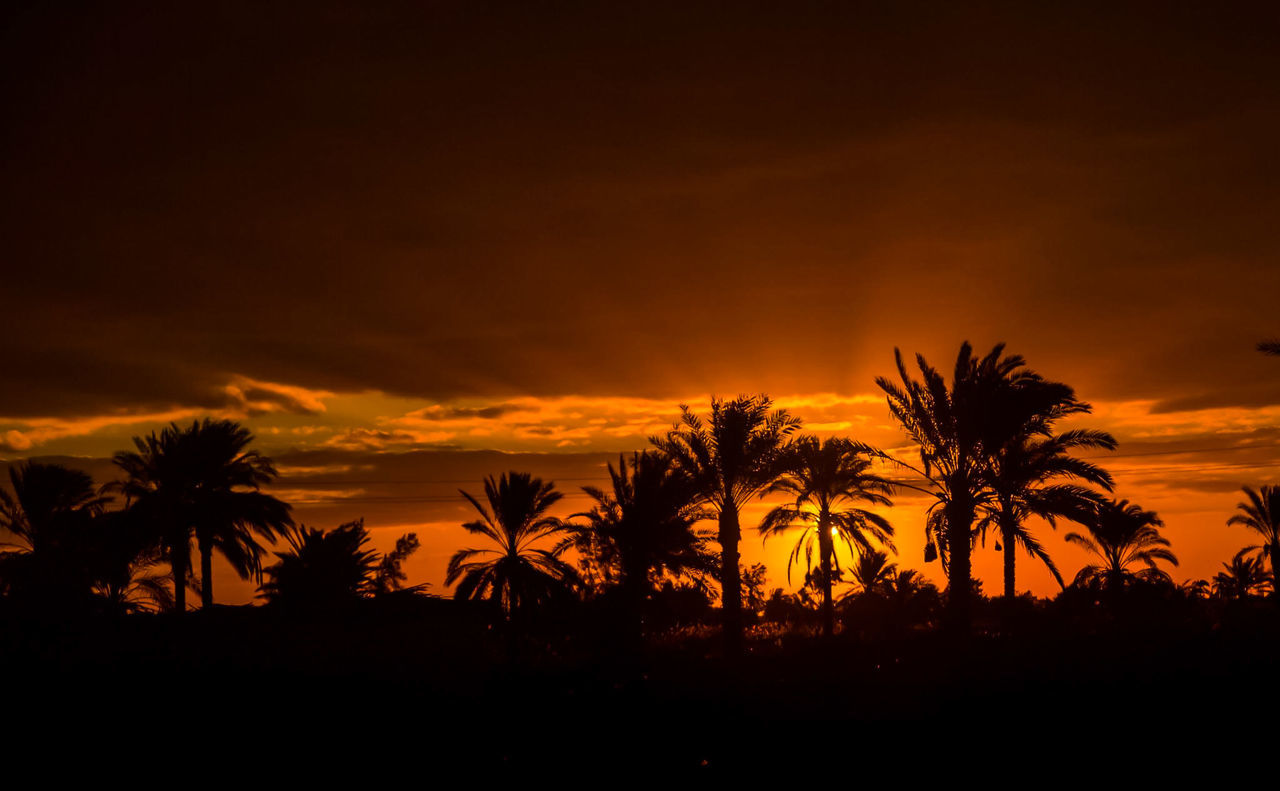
point(325, 219)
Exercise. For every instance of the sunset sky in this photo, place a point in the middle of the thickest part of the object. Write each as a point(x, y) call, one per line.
point(415, 246)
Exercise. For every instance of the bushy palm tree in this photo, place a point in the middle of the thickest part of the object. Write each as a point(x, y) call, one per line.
point(322, 569)
point(1243, 577)
point(203, 481)
point(517, 574)
point(959, 428)
point(826, 483)
point(1122, 535)
point(733, 456)
point(643, 527)
point(871, 572)
point(1261, 514)
point(1036, 476)
point(50, 515)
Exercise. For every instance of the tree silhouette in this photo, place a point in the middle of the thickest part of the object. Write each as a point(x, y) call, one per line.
point(642, 527)
point(1270, 347)
point(51, 515)
point(1243, 577)
point(1027, 478)
point(871, 572)
point(959, 429)
point(517, 575)
point(322, 570)
point(390, 576)
point(733, 456)
point(1122, 535)
point(201, 480)
point(1261, 514)
point(825, 482)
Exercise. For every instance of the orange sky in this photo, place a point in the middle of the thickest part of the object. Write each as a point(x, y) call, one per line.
point(399, 243)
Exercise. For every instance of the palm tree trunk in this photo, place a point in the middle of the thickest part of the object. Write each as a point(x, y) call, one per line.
point(178, 565)
point(960, 582)
point(206, 574)
point(1010, 559)
point(827, 548)
point(730, 579)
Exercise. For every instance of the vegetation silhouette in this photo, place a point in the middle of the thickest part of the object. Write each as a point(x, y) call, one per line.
point(517, 575)
point(1121, 535)
point(1270, 347)
point(1245, 576)
point(641, 531)
point(328, 571)
point(1261, 514)
point(825, 481)
point(733, 456)
point(201, 480)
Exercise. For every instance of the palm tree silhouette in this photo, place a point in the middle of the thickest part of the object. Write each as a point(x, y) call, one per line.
point(733, 456)
point(1122, 535)
point(959, 429)
point(202, 480)
point(52, 514)
point(1025, 479)
point(1243, 577)
point(517, 575)
point(871, 572)
point(644, 526)
point(825, 481)
point(1261, 514)
point(322, 570)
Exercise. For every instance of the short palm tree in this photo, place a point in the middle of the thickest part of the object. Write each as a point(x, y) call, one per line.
point(1243, 577)
point(1036, 476)
point(517, 575)
point(202, 481)
point(322, 570)
point(1122, 535)
point(733, 456)
point(871, 572)
point(826, 482)
point(644, 526)
point(1261, 514)
point(51, 516)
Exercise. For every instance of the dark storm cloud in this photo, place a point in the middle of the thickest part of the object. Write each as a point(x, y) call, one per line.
point(461, 201)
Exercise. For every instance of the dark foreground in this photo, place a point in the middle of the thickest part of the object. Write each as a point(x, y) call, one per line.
point(417, 688)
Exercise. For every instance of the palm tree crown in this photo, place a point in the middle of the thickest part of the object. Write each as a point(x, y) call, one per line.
point(1122, 535)
point(517, 574)
point(732, 456)
point(826, 481)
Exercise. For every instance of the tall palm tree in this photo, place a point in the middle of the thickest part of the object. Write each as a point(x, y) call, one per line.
point(517, 575)
point(826, 482)
point(1034, 476)
point(51, 513)
point(959, 428)
point(1122, 535)
point(643, 526)
point(1261, 514)
point(202, 481)
point(733, 456)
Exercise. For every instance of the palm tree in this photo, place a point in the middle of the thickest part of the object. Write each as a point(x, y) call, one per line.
point(517, 575)
point(1122, 535)
point(202, 480)
point(872, 572)
point(959, 429)
point(51, 514)
point(1245, 576)
point(825, 481)
point(1026, 479)
point(733, 456)
point(322, 570)
point(1261, 514)
point(643, 526)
